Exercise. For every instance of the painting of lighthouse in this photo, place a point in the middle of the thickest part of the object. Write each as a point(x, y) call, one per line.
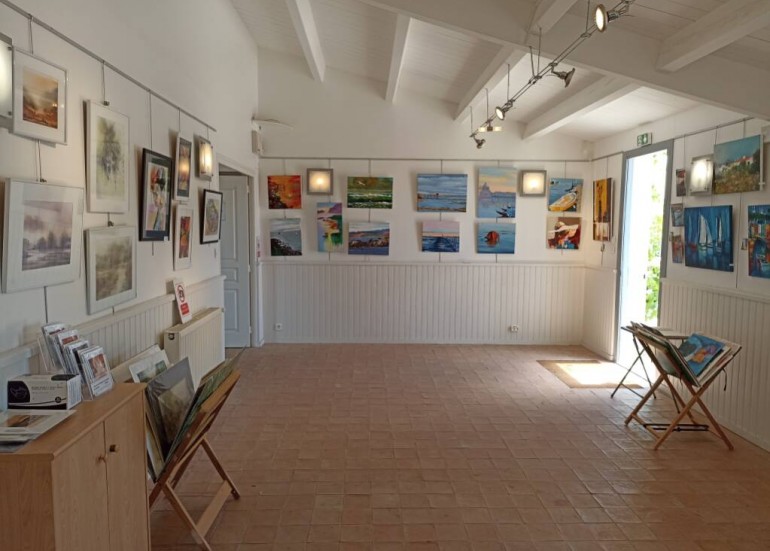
point(708, 235)
point(497, 192)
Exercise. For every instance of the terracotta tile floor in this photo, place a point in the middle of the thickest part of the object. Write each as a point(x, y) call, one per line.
point(459, 448)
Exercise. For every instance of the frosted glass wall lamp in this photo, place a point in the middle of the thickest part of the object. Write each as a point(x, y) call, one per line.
point(701, 174)
point(205, 159)
point(6, 79)
point(320, 181)
point(533, 182)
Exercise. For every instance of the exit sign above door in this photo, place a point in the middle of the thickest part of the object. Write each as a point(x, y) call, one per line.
point(644, 139)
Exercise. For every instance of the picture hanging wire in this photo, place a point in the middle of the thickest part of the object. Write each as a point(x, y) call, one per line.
point(149, 96)
point(284, 166)
point(39, 163)
point(31, 41)
point(179, 122)
point(45, 302)
point(329, 166)
point(104, 87)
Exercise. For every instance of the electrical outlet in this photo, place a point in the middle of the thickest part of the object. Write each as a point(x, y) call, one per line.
point(278, 326)
point(513, 328)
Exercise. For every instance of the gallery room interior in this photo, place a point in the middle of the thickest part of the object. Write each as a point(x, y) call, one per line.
point(381, 275)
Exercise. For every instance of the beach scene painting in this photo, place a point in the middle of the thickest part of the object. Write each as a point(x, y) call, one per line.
point(285, 237)
point(329, 225)
point(564, 194)
point(442, 192)
point(370, 192)
point(737, 165)
point(497, 192)
point(440, 236)
point(708, 236)
point(369, 238)
point(496, 238)
point(759, 237)
point(563, 232)
point(284, 192)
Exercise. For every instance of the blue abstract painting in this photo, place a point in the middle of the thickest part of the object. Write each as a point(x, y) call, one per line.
point(708, 236)
point(759, 235)
point(496, 239)
point(442, 192)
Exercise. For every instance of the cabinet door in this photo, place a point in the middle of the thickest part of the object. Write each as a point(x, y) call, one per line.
point(80, 495)
point(127, 477)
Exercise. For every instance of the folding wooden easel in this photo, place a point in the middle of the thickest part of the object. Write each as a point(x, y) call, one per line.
point(180, 459)
point(674, 370)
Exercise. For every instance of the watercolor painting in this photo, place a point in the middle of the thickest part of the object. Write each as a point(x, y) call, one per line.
point(442, 192)
point(329, 223)
point(737, 165)
point(497, 193)
point(284, 192)
point(681, 182)
point(47, 240)
point(708, 235)
point(563, 232)
point(677, 249)
point(41, 98)
point(285, 237)
point(369, 238)
point(603, 209)
point(440, 236)
point(108, 155)
point(110, 266)
point(156, 197)
point(759, 238)
point(496, 238)
point(211, 222)
point(677, 215)
point(370, 192)
point(564, 194)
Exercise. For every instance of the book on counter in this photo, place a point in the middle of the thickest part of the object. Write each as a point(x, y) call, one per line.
point(22, 425)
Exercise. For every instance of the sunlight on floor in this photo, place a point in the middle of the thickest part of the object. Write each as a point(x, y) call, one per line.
point(597, 374)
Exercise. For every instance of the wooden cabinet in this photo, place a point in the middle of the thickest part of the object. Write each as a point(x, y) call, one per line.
point(83, 485)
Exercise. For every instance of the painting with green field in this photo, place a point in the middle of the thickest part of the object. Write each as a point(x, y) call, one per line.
point(370, 192)
point(737, 165)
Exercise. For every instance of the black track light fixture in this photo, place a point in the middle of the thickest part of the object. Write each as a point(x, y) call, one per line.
point(566, 76)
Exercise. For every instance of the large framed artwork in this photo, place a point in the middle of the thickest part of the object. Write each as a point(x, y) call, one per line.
point(708, 238)
point(737, 165)
point(182, 169)
point(39, 98)
point(183, 225)
point(564, 194)
point(442, 192)
point(497, 192)
point(42, 230)
point(110, 266)
point(211, 220)
point(759, 239)
point(107, 147)
point(603, 210)
point(156, 197)
point(370, 192)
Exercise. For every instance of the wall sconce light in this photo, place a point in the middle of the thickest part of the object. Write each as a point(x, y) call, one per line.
point(701, 174)
point(320, 181)
point(205, 159)
point(533, 182)
point(6, 78)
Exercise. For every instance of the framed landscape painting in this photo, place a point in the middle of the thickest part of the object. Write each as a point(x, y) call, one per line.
point(285, 237)
point(39, 98)
point(442, 192)
point(440, 236)
point(110, 266)
point(737, 165)
point(284, 191)
point(107, 146)
point(211, 220)
point(182, 168)
point(369, 238)
point(156, 197)
point(759, 239)
point(497, 192)
point(370, 192)
point(183, 224)
point(42, 229)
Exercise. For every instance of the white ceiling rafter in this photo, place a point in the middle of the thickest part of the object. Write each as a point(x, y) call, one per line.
point(547, 13)
point(490, 77)
point(304, 24)
point(718, 28)
point(400, 38)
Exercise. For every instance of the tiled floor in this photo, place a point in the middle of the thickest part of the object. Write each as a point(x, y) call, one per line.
point(459, 448)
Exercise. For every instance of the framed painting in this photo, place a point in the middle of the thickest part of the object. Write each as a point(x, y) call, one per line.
point(110, 266)
point(107, 164)
point(370, 192)
point(440, 236)
point(182, 169)
point(677, 249)
point(442, 192)
point(369, 238)
point(285, 237)
point(564, 194)
point(759, 239)
point(681, 182)
point(211, 220)
point(329, 226)
point(494, 238)
point(677, 215)
point(39, 98)
point(563, 233)
point(183, 224)
point(42, 228)
point(708, 238)
point(284, 191)
point(603, 210)
point(738, 165)
point(497, 192)
point(155, 222)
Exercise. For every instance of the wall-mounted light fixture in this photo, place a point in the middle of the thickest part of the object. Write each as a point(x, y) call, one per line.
point(205, 158)
point(532, 182)
point(6, 78)
point(320, 181)
point(701, 174)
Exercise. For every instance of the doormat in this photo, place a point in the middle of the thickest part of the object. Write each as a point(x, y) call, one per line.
point(587, 373)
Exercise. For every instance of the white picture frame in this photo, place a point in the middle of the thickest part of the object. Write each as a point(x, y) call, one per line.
point(108, 158)
point(34, 211)
point(110, 266)
point(35, 82)
point(183, 226)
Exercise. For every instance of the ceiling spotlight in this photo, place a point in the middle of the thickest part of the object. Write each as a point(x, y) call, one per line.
point(479, 142)
point(566, 76)
point(488, 127)
point(503, 109)
point(602, 17)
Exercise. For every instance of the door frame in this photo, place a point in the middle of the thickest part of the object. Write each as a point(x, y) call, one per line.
point(668, 146)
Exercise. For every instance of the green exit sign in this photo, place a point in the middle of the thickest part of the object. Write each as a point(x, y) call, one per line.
point(644, 139)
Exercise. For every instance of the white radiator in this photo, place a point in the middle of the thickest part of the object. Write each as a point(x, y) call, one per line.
point(201, 340)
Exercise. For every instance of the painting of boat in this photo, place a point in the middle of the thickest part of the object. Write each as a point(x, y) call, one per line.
point(496, 238)
point(708, 238)
point(564, 194)
point(496, 196)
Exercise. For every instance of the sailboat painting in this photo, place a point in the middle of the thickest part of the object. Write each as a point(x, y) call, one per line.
point(497, 192)
point(564, 194)
point(708, 233)
point(759, 238)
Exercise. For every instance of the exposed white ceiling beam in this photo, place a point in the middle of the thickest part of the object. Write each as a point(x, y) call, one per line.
point(718, 28)
point(307, 33)
point(397, 55)
point(547, 13)
point(578, 105)
point(489, 78)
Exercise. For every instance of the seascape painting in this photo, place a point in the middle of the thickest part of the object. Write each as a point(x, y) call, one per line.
point(681, 182)
point(563, 232)
point(496, 238)
point(369, 238)
point(603, 209)
point(737, 165)
point(285, 237)
point(677, 215)
point(40, 99)
point(708, 235)
point(329, 226)
point(440, 236)
point(365, 192)
point(47, 237)
point(759, 238)
point(442, 192)
point(677, 249)
point(497, 192)
point(284, 192)
point(564, 194)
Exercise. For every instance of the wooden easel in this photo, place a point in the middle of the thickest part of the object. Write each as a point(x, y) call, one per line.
point(650, 343)
point(177, 464)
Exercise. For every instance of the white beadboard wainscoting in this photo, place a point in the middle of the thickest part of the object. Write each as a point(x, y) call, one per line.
point(423, 303)
point(122, 334)
point(739, 317)
point(599, 311)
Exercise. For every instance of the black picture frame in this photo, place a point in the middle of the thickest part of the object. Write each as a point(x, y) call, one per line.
point(211, 216)
point(157, 183)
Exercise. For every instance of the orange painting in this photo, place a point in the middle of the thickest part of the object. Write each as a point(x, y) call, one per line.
point(284, 192)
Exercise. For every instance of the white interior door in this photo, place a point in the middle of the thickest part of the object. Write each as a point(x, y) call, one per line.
point(236, 261)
